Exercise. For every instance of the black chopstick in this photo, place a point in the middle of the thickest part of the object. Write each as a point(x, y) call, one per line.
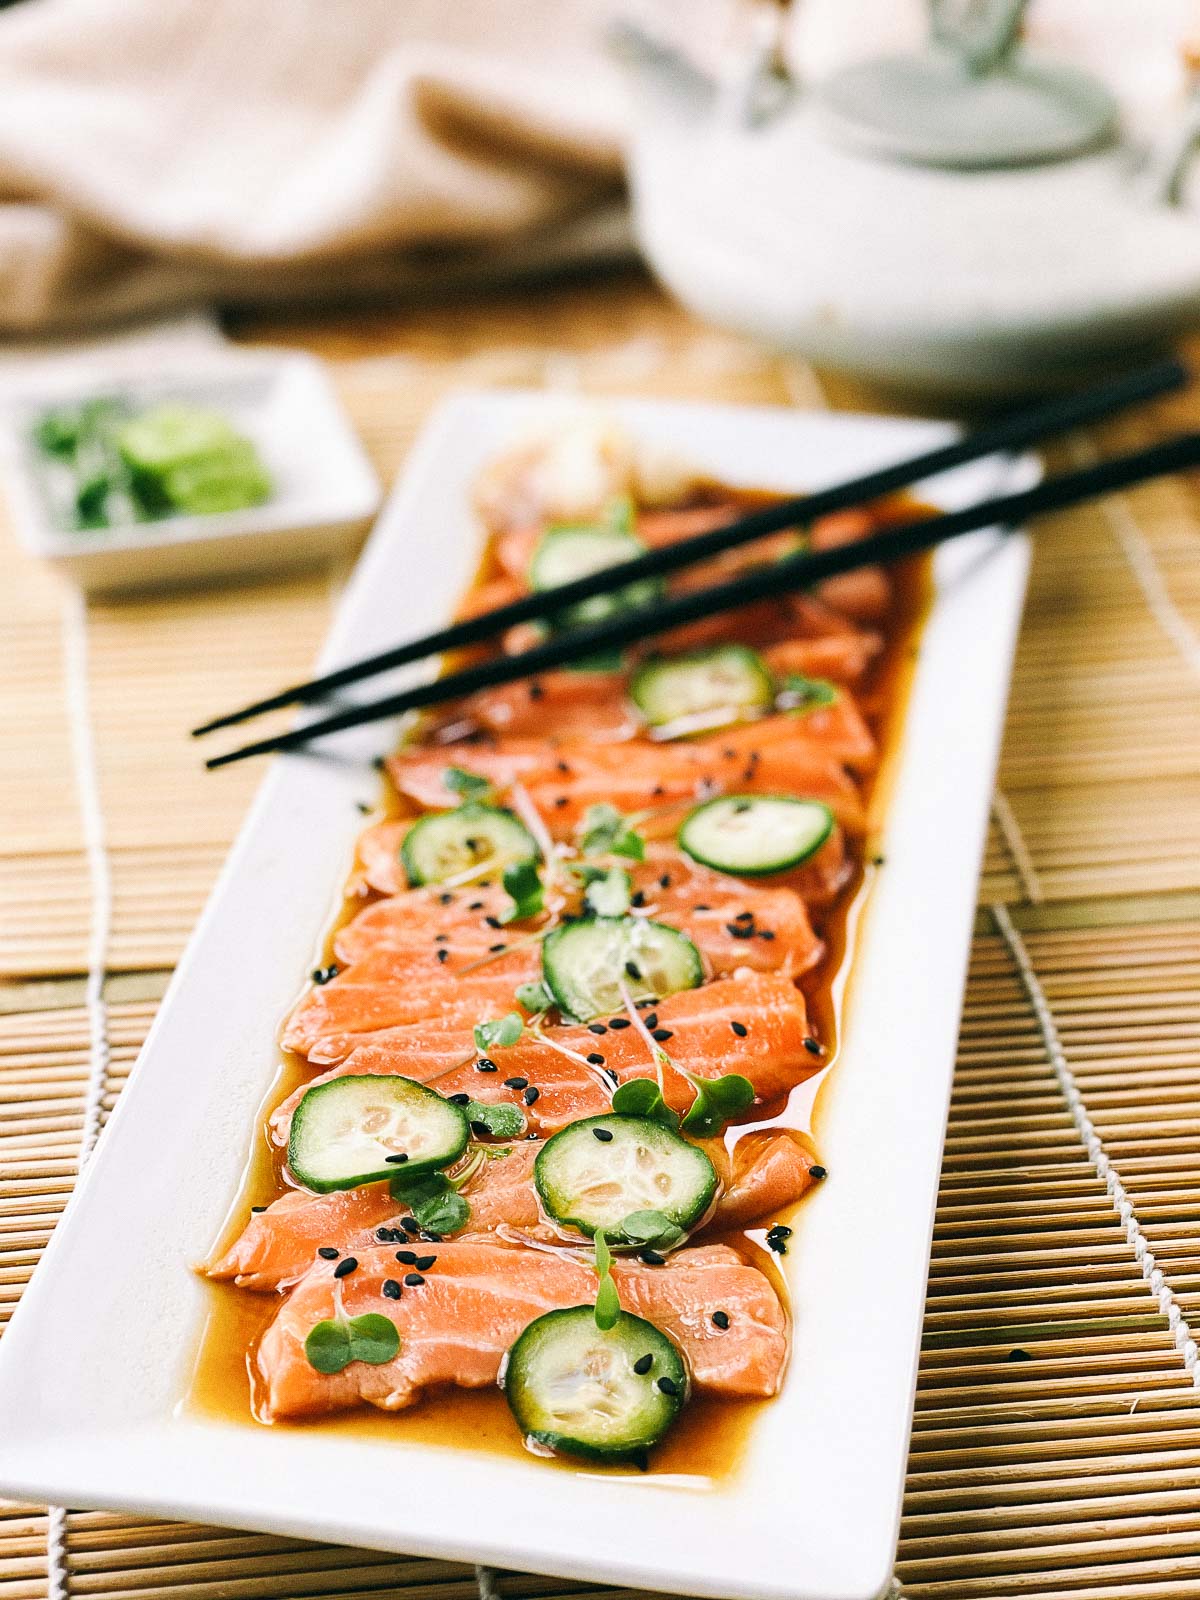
point(1015, 432)
point(762, 582)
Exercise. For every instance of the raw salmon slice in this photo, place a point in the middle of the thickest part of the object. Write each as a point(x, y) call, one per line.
point(767, 1172)
point(386, 939)
point(771, 1053)
point(478, 1296)
point(564, 780)
point(840, 657)
point(564, 705)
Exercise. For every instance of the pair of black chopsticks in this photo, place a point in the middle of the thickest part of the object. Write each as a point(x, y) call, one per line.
point(632, 625)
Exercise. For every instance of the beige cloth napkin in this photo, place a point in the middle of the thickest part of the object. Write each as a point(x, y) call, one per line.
point(158, 153)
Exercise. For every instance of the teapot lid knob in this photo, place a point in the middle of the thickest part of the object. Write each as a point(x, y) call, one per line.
point(972, 98)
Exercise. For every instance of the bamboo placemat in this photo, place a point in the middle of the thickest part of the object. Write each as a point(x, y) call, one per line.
point(1056, 1448)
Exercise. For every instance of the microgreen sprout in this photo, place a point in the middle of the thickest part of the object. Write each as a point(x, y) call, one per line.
point(717, 1101)
point(522, 882)
point(805, 694)
point(608, 1305)
point(466, 785)
point(499, 1032)
point(606, 832)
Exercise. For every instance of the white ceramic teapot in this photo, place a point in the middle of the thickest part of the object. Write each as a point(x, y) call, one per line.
point(968, 220)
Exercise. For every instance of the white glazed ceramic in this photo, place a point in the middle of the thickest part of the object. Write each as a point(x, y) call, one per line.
point(96, 1363)
point(960, 282)
point(325, 489)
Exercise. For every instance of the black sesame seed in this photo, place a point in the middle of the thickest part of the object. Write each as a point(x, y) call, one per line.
point(657, 792)
point(480, 1129)
point(661, 1034)
point(701, 907)
point(613, 1074)
point(603, 1134)
point(597, 1027)
point(596, 1059)
point(425, 1262)
point(392, 1289)
point(476, 905)
point(414, 1280)
point(643, 1364)
point(441, 938)
point(328, 1253)
point(365, 807)
point(739, 930)
point(668, 1386)
point(493, 922)
point(257, 1209)
point(561, 800)
point(445, 898)
point(779, 1231)
point(740, 1029)
point(383, 1235)
point(397, 1160)
point(637, 899)
point(515, 1083)
point(652, 1020)
point(744, 916)
point(495, 949)
point(410, 1224)
point(536, 691)
point(485, 1064)
point(813, 1048)
point(533, 1136)
point(818, 1172)
point(665, 881)
point(766, 933)
point(618, 1022)
point(443, 955)
point(720, 1319)
point(652, 1258)
point(530, 1095)
point(774, 1242)
point(563, 768)
point(346, 1267)
point(406, 1258)
point(632, 968)
point(459, 1099)
point(322, 975)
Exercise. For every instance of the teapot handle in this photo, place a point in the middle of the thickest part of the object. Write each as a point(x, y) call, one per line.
point(1166, 167)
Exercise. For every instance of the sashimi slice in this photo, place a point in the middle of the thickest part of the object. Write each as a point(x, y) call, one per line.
point(768, 1047)
point(564, 780)
point(478, 1296)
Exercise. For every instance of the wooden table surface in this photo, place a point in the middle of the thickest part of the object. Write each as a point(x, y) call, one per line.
point(1056, 1447)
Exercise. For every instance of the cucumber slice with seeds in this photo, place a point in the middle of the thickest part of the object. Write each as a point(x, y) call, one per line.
point(585, 1182)
point(706, 689)
point(564, 554)
point(585, 963)
point(577, 1389)
point(473, 836)
point(755, 834)
point(344, 1131)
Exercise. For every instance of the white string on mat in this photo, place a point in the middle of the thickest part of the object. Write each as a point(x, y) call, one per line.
point(87, 786)
point(1181, 1333)
point(1014, 839)
point(1140, 557)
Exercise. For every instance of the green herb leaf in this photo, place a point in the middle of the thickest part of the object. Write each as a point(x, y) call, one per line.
point(608, 894)
point(467, 785)
point(373, 1339)
point(521, 880)
point(535, 996)
point(608, 1304)
point(651, 1227)
point(434, 1202)
point(641, 1097)
point(717, 1100)
point(606, 832)
point(802, 694)
point(501, 1121)
point(620, 513)
point(328, 1346)
point(500, 1031)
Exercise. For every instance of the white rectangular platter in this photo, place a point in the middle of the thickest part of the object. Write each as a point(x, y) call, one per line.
point(94, 1367)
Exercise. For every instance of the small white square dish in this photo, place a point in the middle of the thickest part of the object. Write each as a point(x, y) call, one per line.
point(323, 491)
point(96, 1367)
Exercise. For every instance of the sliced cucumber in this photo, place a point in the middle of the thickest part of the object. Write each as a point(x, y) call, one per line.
point(576, 1389)
point(585, 963)
point(564, 554)
point(470, 838)
point(635, 1166)
point(706, 689)
point(755, 834)
point(344, 1131)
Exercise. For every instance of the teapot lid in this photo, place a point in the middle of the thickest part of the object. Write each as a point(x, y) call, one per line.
point(972, 98)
